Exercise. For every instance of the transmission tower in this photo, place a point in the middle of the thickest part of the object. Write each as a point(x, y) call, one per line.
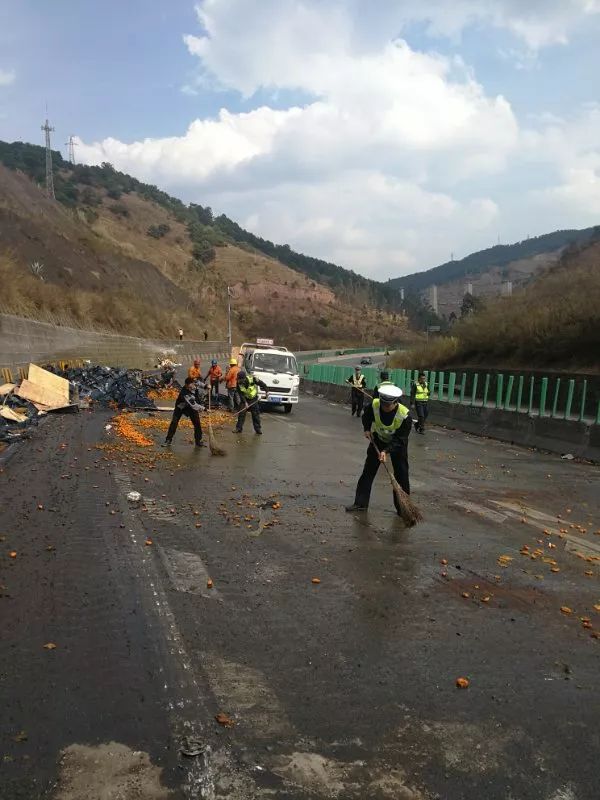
point(70, 145)
point(49, 174)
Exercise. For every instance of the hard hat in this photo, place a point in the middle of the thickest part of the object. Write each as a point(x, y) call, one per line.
point(389, 394)
point(233, 362)
point(357, 367)
point(213, 363)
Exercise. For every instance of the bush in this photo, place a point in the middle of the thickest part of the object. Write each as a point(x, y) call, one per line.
point(119, 210)
point(158, 231)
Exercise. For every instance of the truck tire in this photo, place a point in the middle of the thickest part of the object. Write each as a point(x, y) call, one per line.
point(288, 408)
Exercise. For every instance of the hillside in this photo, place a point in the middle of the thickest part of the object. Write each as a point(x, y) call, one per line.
point(487, 270)
point(123, 256)
point(552, 322)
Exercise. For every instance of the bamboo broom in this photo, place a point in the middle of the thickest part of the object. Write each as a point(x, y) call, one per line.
point(409, 511)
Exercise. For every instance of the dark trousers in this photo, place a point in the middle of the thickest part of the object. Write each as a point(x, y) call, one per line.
point(193, 415)
point(399, 459)
point(255, 412)
point(358, 400)
point(422, 409)
point(214, 393)
point(233, 399)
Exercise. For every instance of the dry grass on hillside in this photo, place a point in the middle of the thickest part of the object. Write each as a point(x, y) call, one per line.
point(553, 322)
point(121, 312)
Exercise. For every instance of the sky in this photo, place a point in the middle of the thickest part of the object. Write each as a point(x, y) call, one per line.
point(382, 135)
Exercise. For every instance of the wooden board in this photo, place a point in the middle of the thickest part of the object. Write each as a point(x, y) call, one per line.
point(7, 388)
point(47, 380)
point(40, 394)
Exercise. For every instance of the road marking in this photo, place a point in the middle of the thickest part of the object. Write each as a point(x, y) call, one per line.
point(187, 572)
point(321, 433)
point(494, 516)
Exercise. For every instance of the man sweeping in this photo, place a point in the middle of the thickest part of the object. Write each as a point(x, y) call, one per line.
point(386, 425)
point(248, 386)
point(357, 396)
point(189, 404)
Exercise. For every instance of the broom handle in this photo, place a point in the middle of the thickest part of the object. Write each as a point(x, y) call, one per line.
point(385, 464)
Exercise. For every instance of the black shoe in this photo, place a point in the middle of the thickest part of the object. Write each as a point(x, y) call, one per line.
point(237, 430)
point(200, 444)
point(420, 431)
point(166, 444)
point(354, 507)
point(258, 433)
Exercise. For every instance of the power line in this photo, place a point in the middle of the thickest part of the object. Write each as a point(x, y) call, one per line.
point(49, 173)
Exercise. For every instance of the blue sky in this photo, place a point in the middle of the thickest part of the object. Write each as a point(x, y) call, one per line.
point(382, 136)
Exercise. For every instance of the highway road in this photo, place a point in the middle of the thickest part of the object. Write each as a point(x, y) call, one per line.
point(116, 655)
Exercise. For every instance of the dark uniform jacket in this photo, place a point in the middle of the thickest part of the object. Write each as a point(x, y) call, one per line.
point(189, 399)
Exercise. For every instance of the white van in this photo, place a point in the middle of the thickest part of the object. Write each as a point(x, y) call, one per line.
point(277, 367)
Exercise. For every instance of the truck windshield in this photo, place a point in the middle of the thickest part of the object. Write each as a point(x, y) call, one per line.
point(275, 362)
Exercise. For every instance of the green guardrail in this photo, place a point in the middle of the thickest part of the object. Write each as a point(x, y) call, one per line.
point(559, 398)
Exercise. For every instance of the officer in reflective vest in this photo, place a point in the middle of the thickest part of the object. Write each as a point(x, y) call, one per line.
point(387, 425)
point(359, 385)
point(248, 386)
point(419, 397)
point(384, 380)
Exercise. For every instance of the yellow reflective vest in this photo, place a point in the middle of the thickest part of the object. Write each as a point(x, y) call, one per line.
point(358, 381)
point(386, 432)
point(421, 392)
point(251, 390)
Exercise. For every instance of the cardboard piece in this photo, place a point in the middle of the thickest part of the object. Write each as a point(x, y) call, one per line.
point(47, 380)
point(7, 388)
point(40, 394)
point(11, 415)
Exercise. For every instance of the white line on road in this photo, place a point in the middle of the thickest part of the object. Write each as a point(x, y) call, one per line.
point(494, 516)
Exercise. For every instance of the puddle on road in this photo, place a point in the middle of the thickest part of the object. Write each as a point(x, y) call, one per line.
point(108, 770)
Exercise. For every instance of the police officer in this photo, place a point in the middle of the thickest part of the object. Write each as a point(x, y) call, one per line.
point(419, 397)
point(359, 385)
point(387, 425)
point(248, 386)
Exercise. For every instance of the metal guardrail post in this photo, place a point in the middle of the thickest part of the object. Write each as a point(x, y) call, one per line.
point(463, 387)
point(598, 414)
point(570, 393)
point(474, 388)
point(509, 388)
point(583, 399)
point(431, 383)
point(555, 400)
point(499, 389)
point(440, 395)
point(543, 395)
point(486, 389)
point(519, 393)
point(531, 385)
point(451, 386)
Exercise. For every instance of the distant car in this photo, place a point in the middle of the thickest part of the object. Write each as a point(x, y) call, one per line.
point(366, 360)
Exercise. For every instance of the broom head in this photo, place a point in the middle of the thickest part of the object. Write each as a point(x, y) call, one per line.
point(214, 448)
point(409, 512)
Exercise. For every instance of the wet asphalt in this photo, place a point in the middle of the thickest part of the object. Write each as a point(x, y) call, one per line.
point(342, 688)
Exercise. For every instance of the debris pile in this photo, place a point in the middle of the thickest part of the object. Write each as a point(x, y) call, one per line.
point(127, 388)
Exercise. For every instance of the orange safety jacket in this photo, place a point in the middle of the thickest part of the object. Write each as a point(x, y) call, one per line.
point(231, 377)
point(215, 374)
point(194, 373)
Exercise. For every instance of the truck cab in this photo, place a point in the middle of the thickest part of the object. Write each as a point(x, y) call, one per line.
point(277, 368)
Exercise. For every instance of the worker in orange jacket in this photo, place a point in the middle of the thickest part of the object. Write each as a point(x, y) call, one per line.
point(231, 376)
point(214, 378)
point(194, 371)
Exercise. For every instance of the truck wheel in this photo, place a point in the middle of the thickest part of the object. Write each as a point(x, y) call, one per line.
point(288, 408)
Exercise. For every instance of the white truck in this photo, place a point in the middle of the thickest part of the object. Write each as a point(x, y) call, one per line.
point(277, 368)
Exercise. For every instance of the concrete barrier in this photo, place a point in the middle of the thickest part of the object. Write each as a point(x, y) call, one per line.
point(24, 340)
point(543, 433)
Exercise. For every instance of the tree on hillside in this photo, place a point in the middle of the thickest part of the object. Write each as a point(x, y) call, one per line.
point(470, 305)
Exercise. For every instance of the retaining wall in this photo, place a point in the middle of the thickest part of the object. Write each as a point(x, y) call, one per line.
point(24, 340)
point(582, 439)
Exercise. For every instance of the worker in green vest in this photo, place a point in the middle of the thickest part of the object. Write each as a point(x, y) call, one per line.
point(248, 386)
point(419, 397)
point(359, 384)
point(386, 424)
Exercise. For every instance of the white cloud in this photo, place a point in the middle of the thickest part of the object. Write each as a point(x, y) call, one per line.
point(391, 160)
point(7, 76)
